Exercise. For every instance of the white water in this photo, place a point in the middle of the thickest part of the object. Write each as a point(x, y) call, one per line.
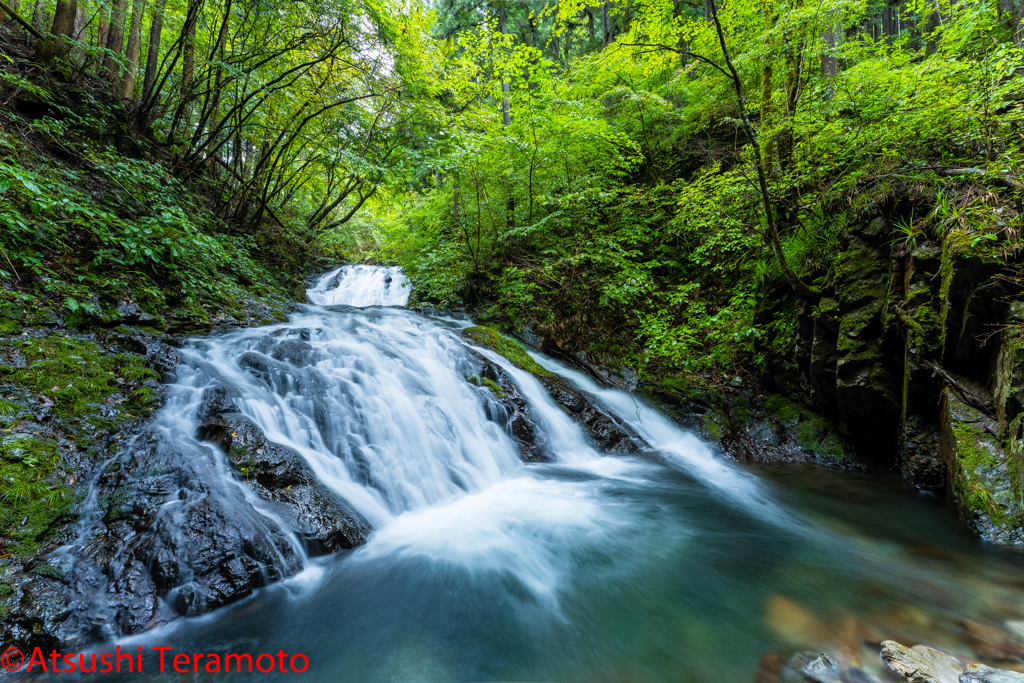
point(361, 286)
point(681, 448)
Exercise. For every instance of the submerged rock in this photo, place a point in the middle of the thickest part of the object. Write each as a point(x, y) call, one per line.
point(979, 673)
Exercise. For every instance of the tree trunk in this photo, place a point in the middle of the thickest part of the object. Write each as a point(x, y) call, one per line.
point(188, 56)
point(506, 89)
point(37, 15)
point(153, 55)
point(606, 24)
point(62, 29)
point(104, 27)
point(134, 42)
point(828, 57)
point(115, 41)
point(1018, 21)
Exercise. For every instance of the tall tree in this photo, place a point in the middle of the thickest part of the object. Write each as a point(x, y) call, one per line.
point(115, 42)
point(132, 53)
point(153, 52)
point(62, 30)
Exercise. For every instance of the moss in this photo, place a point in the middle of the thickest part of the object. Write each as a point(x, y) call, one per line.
point(947, 271)
point(713, 429)
point(49, 570)
point(969, 484)
point(34, 502)
point(680, 387)
point(5, 590)
point(494, 386)
point(810, 431)
point(504, 345)
point(785, 411)
point(77, 374)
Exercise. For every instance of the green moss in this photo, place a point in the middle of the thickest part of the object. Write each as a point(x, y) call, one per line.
point(77, 374)
point(680, 387)
point(504, 345)
point(810, 431)
point(49, 570)
point(785, 411)
point(495, 387)
point(947, 271)
point(34, 502)
point(980, 482)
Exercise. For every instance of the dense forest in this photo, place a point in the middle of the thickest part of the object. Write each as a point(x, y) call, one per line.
point(794, 226)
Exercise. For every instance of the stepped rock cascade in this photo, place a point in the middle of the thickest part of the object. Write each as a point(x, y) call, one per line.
point(361, 286)
point(360, 428)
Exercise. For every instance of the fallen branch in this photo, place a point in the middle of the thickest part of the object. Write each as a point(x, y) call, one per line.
point(24, 24)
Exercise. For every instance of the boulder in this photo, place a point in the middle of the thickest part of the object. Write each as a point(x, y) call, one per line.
point(281, 476)
point(921, 664)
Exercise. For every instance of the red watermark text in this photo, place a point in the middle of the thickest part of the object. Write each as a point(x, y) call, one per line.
point(158, 659)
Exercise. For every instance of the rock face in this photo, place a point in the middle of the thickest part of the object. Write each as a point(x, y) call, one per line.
point(607, 434)
point(164, 535)
point(505, 404)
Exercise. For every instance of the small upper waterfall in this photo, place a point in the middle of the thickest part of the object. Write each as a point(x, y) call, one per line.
point(361, 286)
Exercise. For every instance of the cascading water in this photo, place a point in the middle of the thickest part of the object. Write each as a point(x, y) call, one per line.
point(664, 565)
point(361, 286)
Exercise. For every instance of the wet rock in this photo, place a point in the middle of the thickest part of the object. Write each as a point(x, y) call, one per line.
point(608, 435)
point(921, 664)
point(980, 472)
point(293, 351)
point(510, 409)
point(169, 537)
point(979, 673)
point(921, 461)
point(215, 401)
point(283, 478)
point(812, 667)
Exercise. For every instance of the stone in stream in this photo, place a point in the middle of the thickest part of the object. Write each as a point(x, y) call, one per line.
point(979, 673)
point(921, 664)
point(281, 476)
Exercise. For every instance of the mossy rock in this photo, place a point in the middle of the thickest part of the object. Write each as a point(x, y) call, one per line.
point(76, 374)
point(984, 478)
point(810, 431)
point(506, 346)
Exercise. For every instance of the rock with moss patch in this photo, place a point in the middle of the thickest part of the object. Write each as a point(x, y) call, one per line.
point(984, 480)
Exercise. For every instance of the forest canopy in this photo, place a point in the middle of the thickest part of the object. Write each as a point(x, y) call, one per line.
point(626, 177)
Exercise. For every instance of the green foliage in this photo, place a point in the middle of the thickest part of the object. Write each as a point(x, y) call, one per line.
point(618, 207)
point(34, 501)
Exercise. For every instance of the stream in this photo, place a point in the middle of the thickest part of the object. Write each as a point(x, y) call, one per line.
point(671, 564)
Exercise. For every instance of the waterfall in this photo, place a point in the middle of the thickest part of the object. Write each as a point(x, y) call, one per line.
point(361, 286)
